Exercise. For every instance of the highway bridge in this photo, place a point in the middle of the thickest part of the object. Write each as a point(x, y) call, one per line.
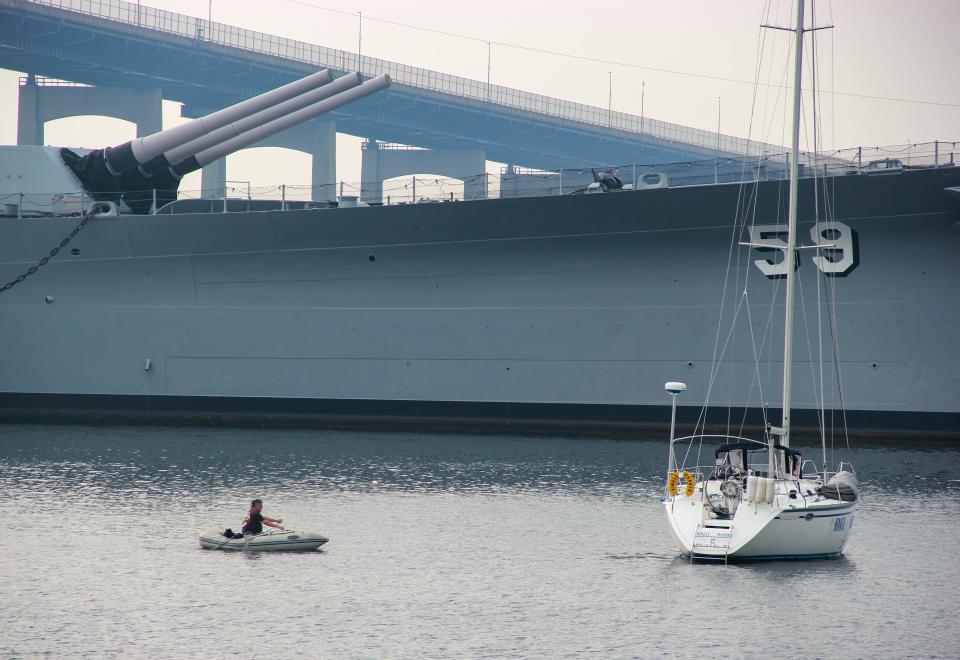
point(122, 46)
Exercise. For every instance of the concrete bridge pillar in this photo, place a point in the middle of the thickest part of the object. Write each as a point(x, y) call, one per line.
point(371, 180)
point(213, 180)
point(213, 177)
point(41, 101)
point(29, 128)
point(379, 163)
point(324, 153)
point(319, 139)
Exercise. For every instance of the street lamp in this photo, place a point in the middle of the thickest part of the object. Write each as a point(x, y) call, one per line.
point(718, 123)
point(488, 70)
point(643, 93)
point(610, 100)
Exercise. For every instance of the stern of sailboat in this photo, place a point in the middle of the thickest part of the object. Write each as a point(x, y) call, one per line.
point(735, 511)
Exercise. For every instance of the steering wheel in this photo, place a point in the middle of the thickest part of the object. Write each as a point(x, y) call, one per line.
point(731, 488)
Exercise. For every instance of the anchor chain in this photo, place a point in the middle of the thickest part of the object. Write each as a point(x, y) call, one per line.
point(43, 262)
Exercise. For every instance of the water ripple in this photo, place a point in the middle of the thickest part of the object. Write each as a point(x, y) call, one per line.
point(442, 545)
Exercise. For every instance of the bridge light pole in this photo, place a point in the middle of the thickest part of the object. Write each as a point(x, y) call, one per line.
point(716, 160)
point(643, 93)
point(488, 70)
point(610, 100)
point(359, 40)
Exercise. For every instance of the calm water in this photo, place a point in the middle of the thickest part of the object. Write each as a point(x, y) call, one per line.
point(472, 546)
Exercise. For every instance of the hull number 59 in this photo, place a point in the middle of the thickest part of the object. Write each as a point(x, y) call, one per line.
point(837, 260)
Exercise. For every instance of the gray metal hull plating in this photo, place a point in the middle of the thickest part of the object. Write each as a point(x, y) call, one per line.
point(586, 302)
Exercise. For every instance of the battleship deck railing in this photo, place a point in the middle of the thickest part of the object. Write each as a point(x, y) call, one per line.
point(513, 182)
point(43, 81)
point(201, 30)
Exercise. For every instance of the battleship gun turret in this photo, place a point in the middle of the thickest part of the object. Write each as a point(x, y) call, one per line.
point(149, 169)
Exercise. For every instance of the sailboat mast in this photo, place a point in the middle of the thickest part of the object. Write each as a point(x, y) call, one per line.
point(792, 227)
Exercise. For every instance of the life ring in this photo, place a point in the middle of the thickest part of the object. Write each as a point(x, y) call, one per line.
point(673, 483)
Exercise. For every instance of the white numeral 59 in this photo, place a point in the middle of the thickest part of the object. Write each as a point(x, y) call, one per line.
point(837, 260)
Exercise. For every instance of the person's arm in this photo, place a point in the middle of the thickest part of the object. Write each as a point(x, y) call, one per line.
point(272, 522)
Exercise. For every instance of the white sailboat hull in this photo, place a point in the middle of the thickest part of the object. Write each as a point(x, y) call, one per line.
point(787, 528)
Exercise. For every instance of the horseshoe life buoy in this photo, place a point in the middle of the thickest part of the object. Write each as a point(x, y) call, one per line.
point(673, 483)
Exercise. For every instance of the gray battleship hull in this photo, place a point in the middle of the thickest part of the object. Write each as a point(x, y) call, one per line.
point(569, 311)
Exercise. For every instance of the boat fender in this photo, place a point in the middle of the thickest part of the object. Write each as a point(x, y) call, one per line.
point(673, 483)
point(769, 490)
point(752, 487)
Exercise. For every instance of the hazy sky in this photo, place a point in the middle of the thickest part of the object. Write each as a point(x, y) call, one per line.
point(879, 48)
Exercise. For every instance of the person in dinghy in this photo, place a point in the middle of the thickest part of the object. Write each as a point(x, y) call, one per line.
point(254, 521)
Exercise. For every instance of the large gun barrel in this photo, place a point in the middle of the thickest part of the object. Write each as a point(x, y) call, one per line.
point(141, 151)
point(149, 169)
point(184, 151)
point(217, 151)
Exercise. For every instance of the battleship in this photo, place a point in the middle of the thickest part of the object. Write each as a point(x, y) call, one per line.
point(560, 312)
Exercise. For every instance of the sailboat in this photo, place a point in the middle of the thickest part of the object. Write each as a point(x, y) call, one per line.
point(759, 499)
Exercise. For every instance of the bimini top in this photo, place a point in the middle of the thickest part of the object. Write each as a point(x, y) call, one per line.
point(750, 446)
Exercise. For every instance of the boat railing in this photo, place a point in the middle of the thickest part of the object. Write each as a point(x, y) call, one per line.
point(701, 471)
point(759, 468)
point(718, 436)
point(809, 467)
point(243, 196)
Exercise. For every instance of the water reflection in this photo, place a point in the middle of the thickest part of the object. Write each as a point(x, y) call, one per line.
point(546, 546)
point(144, 458)
point(170, 461)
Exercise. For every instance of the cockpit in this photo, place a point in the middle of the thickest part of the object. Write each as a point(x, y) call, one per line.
point(737, 460)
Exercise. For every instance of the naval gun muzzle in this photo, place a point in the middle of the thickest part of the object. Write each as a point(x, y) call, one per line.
point(220, 149)
point(183, 151)
point(142, 152)
point(140, 169)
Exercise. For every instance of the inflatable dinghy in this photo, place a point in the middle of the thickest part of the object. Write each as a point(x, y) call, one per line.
point(273, 540)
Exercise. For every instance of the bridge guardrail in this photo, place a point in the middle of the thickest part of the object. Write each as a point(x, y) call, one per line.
point(202, 30)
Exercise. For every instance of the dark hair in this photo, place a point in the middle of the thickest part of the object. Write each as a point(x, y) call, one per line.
point(256, 501)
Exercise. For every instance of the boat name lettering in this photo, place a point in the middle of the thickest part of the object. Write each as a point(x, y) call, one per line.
point(712, 538)
point(837, 260)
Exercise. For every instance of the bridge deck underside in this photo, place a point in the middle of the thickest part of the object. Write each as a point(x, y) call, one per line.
point(205, 77)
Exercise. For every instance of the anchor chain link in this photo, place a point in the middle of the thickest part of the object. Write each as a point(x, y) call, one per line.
point(43, 262)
